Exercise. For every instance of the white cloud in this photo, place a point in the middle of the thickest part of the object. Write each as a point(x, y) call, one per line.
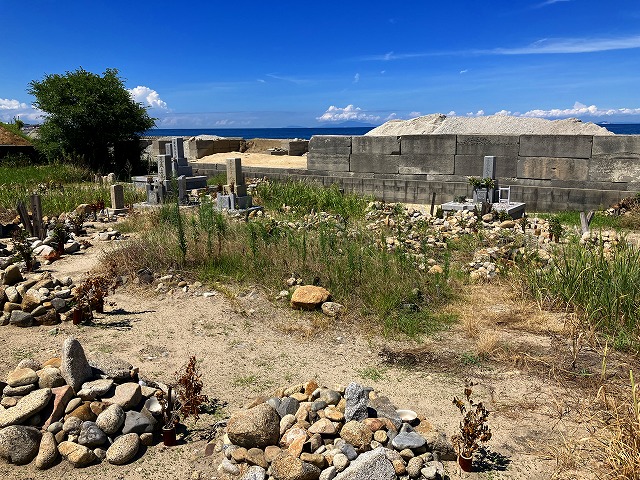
point(261, 80)
point(224, 123)
point(503, 113)
point(414, 114)
point(579, 109)
point(391, 116)
point(549, 2)
point(350, 112)
point(479, 113)
point(10, 104)
point(463, 71)
point(356, 78)
point(452, 113)
point(571, 45)
point(147, 96)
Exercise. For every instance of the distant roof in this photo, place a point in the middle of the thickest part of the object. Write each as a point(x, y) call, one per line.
point(10, 138)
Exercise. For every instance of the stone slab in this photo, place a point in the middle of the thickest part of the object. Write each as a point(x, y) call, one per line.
point(421, 164)
point(328, 162)
point(388, 145)
point(563, 146)
point(330, 144)
point(546, 168)
point(615, 167)
point(625, 145)
point(471, 166)
point(428, 144)
point(371, 162)
point(481, 145)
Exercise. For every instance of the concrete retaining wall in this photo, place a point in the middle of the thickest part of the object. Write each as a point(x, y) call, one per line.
point(548, 172)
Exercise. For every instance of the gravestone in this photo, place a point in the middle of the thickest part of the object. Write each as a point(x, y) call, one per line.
point(117, 199)
point(165, 166)
point(235, 191)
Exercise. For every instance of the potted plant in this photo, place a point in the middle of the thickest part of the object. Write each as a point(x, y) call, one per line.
point(89, 296)
point(185, 403)
point(473, 428)
point(481, 188)
point(60, 236)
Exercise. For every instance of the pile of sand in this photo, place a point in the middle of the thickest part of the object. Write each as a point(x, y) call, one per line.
point(9, 138)
point(491, 125)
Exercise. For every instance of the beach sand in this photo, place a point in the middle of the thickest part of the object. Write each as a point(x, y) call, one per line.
point(254, 159)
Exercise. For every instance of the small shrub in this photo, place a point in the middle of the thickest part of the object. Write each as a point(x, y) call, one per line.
point(473, 426)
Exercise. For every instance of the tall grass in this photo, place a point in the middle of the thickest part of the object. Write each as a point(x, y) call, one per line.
point(603, 285)
point(59, 188)
point(380, 285)
point(305, 197)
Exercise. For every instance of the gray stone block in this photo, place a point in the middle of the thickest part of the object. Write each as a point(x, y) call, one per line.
point(614, 168)
point(415, 164)
point(624, 145)
point(377, 145)
point(471, 166)
point(562, 146)
point(481, 145)
point(545, 168)
point(330, 144)
point(428, 144)
point(327, 162)
point(376, 163)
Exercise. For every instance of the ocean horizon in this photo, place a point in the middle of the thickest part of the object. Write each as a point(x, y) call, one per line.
point(307, 133)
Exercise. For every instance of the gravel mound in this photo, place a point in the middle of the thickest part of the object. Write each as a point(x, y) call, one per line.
point(491, 125)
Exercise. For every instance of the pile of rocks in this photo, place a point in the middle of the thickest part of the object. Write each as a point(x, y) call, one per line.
point(307, 432)
point(39, 299)
point(83, 410)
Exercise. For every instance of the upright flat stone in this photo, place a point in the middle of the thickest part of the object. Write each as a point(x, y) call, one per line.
point(356, 402)
point(117, 196)
point(74, 367)
point(61, 397)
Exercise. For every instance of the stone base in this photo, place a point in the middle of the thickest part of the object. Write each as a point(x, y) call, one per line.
point(514, 209)
point(116, 211)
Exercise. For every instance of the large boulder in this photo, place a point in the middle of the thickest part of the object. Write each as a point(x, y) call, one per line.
point(372, 465)
point(257, 427)
point(19, 444)
point(74, 367)
point(309, 297)
point(20, 319)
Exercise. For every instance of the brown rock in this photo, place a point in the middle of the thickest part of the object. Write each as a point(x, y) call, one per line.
point(272, 452)
point(49, 318)
point(287, 467)
point(324, 426)
point(315, 459)
point(84, 413)
point(334, 414)
point(53, 362)
point(374, 424)
point(309, 297)
point(127, 395)
point(61, 397)
point(29, 302)
point(48, 451)
point(357, 434)
point(98, 407)
point(239, 454)
point(257, 427)
point(22, 376)
point(310, 387)
point(50, 377)
point(255, 456)
point(78, 455)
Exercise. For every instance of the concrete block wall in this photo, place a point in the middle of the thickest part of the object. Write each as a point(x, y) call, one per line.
point(548, 172)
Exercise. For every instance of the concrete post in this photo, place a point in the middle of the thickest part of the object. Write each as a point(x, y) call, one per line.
point(234, 171)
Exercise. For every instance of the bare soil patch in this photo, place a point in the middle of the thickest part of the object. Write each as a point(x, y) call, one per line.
point(10, 138)
point(256, 159)
point(249, 345)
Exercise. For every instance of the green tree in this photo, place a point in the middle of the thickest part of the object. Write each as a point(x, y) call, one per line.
point(90, 119)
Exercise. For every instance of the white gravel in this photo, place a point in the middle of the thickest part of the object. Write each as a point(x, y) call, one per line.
point(438, 123)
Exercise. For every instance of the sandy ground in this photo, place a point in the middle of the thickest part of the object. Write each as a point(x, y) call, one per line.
point(254, 159)
point(248, 344)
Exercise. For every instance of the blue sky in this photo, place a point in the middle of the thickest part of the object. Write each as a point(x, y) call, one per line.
point(277, 64)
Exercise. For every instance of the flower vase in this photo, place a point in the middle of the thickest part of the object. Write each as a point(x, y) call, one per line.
point(169, 435)
point(465, 463)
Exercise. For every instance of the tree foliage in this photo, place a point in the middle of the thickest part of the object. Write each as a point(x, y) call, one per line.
point(90, 119)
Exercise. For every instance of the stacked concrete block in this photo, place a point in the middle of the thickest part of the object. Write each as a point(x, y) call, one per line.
point(427, 154)
point(471, 150)
point(615, 159)
point(375, 154)
point(297, 148)
point(556, 146)
point(329, 153)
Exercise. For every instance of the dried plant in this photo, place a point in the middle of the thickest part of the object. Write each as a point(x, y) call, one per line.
point(473, 426)
point(90, 293)
point(188, 398)
point(22, 247)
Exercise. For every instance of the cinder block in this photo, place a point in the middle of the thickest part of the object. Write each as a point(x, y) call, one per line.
point(561, 146)
point(615, 168)
point(415, 164)
point(545, 168)
point(330, 144)
point(428, 144)
point(481, 145)
point(377, 145)
point(375, 163)
point(328, 162)
point(625, 145)
point(471, 166)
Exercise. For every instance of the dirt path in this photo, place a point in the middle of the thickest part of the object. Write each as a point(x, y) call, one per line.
point(250, 345)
